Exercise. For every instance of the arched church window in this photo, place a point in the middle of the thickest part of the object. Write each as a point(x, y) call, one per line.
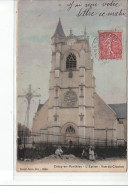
point(71, 61)
point(70, 130)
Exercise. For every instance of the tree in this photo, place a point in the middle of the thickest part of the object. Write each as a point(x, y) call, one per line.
point(23, 131)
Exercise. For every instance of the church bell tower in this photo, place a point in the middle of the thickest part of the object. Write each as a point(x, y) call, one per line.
point(71, 89)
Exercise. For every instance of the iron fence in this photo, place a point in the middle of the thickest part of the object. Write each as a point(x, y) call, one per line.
point(56, 139)
point(39, 145)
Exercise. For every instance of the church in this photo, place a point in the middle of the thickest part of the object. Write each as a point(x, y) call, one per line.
point(74, 111)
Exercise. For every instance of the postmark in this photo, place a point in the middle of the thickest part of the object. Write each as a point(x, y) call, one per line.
point(95, 51)
point(110, 45)
point(94, 47)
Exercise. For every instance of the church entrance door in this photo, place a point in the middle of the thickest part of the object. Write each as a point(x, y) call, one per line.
point(70, 136)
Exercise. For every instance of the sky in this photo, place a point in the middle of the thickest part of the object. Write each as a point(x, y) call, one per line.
point(37, 21)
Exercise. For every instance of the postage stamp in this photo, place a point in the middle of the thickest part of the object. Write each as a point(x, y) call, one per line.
point(110, 45)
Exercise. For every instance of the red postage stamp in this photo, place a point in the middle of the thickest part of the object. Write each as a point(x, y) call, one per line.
point(110, 45)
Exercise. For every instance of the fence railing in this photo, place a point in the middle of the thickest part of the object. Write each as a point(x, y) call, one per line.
point(30, 140)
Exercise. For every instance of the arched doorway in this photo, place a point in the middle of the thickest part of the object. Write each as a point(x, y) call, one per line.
point(70, 134)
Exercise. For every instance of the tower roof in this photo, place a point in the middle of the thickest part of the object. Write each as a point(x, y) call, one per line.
point(59, 29)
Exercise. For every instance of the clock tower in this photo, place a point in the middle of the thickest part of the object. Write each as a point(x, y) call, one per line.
point(71, 89)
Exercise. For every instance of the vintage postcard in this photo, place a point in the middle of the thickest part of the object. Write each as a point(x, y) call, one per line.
point(71, 86)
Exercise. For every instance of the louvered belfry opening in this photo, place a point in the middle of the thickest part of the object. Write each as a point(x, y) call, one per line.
point(71, 61)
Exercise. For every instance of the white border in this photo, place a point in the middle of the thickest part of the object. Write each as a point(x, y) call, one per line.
point(6, 91)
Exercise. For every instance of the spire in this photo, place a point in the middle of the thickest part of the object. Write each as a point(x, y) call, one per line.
point(59, 29)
